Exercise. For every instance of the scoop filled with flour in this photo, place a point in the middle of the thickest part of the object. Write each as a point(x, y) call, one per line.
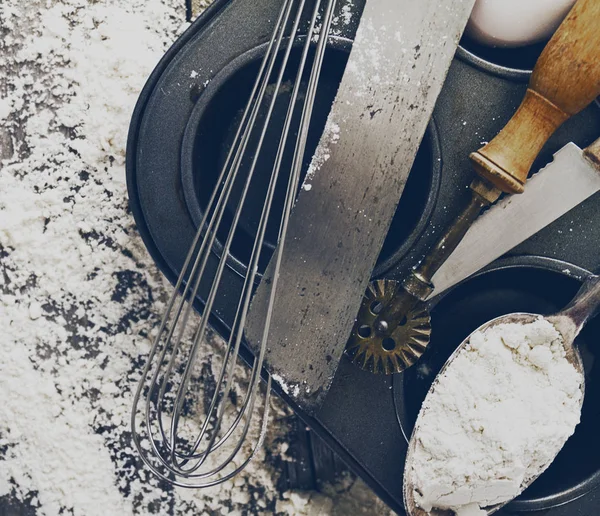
point(495, 418)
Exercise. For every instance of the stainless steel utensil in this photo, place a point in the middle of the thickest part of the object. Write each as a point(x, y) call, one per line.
point(395, 72)
point(572, 177)
point(569, 322)
point(173, 435)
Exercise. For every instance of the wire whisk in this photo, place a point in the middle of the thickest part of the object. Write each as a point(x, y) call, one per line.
point(181, 443)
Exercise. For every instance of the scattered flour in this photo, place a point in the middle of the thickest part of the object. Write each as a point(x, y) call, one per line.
point(344, 18)
point(80, 298)
point(291, 389)
point(330, 136)
point(498, 414)
point(347, 13)
point(5, 109)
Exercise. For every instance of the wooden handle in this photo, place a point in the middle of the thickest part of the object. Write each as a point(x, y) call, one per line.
point(592, 152)
point(566, 78)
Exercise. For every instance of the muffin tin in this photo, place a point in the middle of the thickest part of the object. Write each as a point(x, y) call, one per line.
point(179, 134)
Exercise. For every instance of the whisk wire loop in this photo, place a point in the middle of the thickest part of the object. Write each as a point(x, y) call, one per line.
point(168, 382)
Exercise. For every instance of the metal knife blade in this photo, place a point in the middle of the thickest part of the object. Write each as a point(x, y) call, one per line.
point(395, 72)
point(557, 188)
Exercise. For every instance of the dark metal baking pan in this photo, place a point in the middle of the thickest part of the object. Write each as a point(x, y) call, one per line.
point(358, 419)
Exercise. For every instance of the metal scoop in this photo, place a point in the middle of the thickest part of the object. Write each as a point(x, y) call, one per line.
point(568, 322)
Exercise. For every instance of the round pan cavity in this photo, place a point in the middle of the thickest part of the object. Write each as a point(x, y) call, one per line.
point(209, 135)
point(518, 284)
point(508, 63)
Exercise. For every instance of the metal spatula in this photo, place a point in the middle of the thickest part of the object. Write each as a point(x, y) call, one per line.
point(395, 72)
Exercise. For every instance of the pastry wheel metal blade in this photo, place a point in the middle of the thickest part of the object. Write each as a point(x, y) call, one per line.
point(572, 177)
point(392, 353)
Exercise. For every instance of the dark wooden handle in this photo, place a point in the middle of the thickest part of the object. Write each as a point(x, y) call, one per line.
point(566, 78)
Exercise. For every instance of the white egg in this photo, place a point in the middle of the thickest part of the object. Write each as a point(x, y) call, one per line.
point(515, 23)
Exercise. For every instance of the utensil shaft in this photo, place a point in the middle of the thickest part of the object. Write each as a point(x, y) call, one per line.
point(586, 303)
point(417, 286)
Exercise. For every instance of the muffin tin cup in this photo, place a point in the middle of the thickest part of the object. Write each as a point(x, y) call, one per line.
point(505, 72)
point(210, 130)
point(518, 284)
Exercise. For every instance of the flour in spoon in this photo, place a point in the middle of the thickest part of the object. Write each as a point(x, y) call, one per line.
point(499, 414)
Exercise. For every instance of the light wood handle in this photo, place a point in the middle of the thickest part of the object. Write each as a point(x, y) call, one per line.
point(566, 78)
point(592, 152)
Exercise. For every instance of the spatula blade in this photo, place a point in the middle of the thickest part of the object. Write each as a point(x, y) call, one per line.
point(394, 74)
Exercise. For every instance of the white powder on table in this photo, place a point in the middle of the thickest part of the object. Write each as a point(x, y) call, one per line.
point(80, 297)
point(500, 412)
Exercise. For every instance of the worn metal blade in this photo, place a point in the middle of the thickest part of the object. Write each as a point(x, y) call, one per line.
point(398, 63)
point(557, 188)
